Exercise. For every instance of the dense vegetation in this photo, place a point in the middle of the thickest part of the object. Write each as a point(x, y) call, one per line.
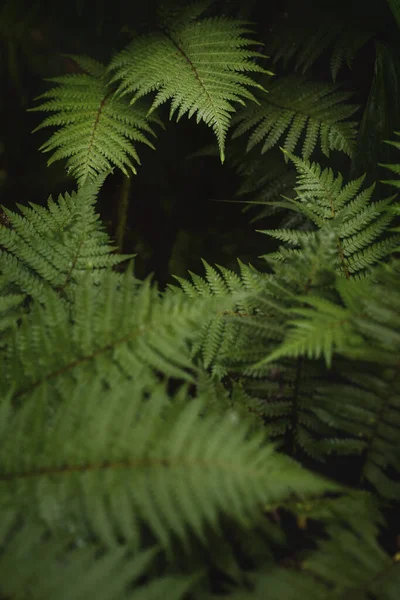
point(233, 433)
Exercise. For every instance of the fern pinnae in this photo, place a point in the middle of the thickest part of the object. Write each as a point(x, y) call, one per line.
point(293, 237)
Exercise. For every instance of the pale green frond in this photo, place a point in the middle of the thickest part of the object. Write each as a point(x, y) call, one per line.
point(200, 65)
point(213, 336)
point(95, 130)
point(221, 337)
point(363, 260)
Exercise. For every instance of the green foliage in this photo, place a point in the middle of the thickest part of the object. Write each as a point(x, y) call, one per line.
point(160, 448)
point(43, 578)
point(345, 566)
point(304, 312)
point(95, 129)
point(198, 64)
point(361, 224)
point(166, 444)
point(363, 327)
point(214, 340)
point(297, 107)
point(53, 247)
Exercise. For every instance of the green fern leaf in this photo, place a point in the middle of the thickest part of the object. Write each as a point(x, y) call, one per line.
point(218, 334)
point(53, 246)
point(116, 320)
point(9, 303)
point(95, 130)
point(296, 107)
point(127, 457)
point(363, 227)
point(198, 64)
point(319, 333)
point(354, 565)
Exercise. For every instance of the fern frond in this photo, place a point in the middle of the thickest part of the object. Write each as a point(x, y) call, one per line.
point(366, 329)
point(319, 332)
point(358, 330)
point(363, 227)
point(51, 247)
point(219, 335)
point(312, 574)
point(290, 236)
point(139, 430)
point(126, 458)
point(198, 64)
point(95, 130)
point(239, 339)
point(286, 385)
point(296, 108)
point(111, 318)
